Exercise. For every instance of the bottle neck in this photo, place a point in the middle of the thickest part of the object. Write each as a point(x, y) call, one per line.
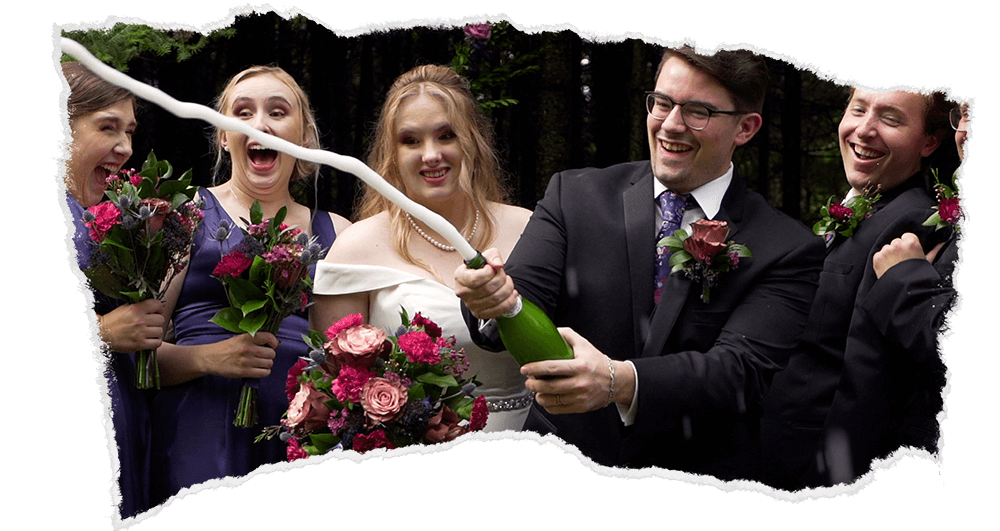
point(518, 306)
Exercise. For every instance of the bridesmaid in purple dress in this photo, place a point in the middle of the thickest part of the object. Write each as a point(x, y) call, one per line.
point(202, 371)
point(102, 120)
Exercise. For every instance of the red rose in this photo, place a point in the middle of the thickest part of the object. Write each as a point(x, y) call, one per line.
point(160, 208)
point(382, 399)
point(708, 237)
point(949, 209)
point(307, 408)
point(358, 345)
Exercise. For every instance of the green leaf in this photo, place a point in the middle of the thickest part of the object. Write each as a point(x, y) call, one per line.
point(436, 379)
point(252, 305)
point(323, 441)
point(252, 323)
point(741, 250)
point(673, 242)
point(417, 392)
point(228, 318)
point(256, 213)
point(679, 258)
point(933, 220)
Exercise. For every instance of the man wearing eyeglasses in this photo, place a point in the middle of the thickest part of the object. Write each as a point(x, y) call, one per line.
point(668, 371)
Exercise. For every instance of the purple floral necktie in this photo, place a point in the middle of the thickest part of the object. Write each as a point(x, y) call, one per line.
point(672, 207)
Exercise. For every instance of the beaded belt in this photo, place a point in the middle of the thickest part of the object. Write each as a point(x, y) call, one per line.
point(509, 404)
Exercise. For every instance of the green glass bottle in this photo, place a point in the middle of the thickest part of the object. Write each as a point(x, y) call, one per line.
point(527, 333)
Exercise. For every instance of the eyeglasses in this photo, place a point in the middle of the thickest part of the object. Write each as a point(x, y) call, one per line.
point(695, 115)
point(959, 117)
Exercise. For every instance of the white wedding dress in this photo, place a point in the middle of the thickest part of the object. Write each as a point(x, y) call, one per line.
point(502, 382)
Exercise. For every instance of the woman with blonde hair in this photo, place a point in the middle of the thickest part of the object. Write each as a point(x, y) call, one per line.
point(202, 372)
point(434, 145)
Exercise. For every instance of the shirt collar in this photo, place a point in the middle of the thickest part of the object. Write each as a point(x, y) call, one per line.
point(708, 195)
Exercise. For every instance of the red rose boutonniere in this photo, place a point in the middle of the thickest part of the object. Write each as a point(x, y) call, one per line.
point(705, 253)
point(843, 218)
point(948, 211)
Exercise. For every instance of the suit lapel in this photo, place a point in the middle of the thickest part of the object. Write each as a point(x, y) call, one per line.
point(640, 234)
point(677, 287)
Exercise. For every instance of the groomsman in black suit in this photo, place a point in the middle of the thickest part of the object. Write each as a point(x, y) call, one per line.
point(884, 137)
point(889, 395)
point(661, 376)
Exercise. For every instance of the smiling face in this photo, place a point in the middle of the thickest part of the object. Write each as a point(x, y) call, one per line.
point(882, 138)
point(102, 142)
point(428, 152)
point(267, 104)
point(682, 158)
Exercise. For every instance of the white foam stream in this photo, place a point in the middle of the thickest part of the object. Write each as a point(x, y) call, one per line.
point(340, 162)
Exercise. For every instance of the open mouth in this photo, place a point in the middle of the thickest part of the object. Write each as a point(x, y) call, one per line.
point(104, 171)
point(262, 158)
point(866, 154)
point(435, 174)
point(673, 147)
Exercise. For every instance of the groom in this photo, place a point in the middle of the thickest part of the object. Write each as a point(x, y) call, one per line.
point(675, 383)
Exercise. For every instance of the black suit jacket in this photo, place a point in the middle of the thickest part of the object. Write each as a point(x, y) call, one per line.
point(586, 258)
point(801, 395)
point(890, 390)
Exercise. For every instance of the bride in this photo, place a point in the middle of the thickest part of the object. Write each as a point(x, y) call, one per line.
point(433, 144)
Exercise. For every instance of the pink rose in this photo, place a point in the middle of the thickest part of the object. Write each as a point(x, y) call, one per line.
point(358, 345)
point(160, 207)
point(382, 399)
point(307, 409)
point(443, 427)
point(708, 237)
point(479, 31)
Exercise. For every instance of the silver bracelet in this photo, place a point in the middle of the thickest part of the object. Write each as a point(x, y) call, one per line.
point(611, 389)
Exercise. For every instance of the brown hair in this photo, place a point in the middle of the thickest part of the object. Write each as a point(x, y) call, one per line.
point(742, 73)
point(303, 168)
point(88, 92)
point(481, 175)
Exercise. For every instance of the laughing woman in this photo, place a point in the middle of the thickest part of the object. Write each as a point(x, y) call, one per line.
point(102, 120)
point(194, 439)
point(434, 145)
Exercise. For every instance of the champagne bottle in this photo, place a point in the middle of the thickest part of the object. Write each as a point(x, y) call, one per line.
point(527, 333)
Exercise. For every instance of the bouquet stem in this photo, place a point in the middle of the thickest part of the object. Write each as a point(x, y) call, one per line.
point(147, 371)
point(246, 411)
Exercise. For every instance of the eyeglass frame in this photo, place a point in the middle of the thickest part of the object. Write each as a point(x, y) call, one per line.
point(962, 115)
point(654, 94)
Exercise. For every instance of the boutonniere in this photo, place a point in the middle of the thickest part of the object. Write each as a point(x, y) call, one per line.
point(843, 218)
point(705, 253)
point(948, 210)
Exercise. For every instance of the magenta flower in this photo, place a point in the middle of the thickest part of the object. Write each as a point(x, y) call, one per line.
point(840, 213)
point(477, 420)
point(479, 31)
point(950, 210)
point(376, 439)
point(232, 265)
point(294, 451)
point(419, 347)
point(106, 215)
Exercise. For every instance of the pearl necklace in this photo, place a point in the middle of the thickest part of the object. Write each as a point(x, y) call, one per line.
point(439, 245)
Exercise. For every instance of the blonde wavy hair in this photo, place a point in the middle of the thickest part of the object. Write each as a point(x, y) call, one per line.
point(223, 103)
point(481, 176)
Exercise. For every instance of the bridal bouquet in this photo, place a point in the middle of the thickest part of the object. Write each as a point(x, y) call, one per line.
point(266, 278)
point(142, 235)
point(361, 389)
